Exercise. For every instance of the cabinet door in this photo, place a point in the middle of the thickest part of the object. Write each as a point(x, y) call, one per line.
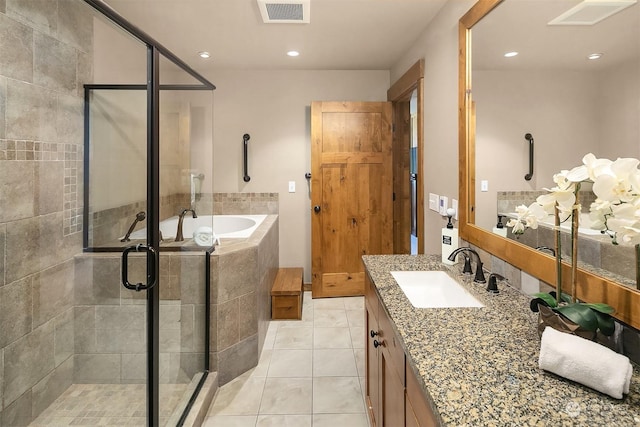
point(416, 401)
point(372, 370)
point(392, 393)
point(409, 415)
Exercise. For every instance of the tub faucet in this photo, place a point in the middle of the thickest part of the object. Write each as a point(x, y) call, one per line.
point(179, 236)
point(547, 248)
point(140, 216)
point(479, 273)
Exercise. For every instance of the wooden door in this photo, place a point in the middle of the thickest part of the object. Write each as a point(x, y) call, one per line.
point(351, 192)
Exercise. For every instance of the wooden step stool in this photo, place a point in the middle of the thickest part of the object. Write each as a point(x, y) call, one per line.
point(286, 294)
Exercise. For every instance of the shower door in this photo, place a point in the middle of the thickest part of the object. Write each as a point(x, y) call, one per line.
point(141, 329)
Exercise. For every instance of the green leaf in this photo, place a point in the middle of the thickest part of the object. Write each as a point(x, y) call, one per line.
point(606, 323)
point(601, 307)
point(550, 300)
point(579, 314)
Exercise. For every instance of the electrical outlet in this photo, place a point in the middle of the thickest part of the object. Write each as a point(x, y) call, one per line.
point(292, 186)
point(454, 205)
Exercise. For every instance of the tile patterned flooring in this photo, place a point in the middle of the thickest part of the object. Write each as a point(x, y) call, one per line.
point(310, 373)
point(108, 405)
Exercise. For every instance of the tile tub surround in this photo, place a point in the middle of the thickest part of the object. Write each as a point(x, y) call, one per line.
point(242, 273)
point(480, 366)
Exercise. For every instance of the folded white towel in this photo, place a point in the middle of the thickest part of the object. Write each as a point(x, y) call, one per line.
point(204, 236)
point(585, 362)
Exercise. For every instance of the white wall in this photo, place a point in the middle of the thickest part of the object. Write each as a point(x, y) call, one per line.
point(619, 112)
point(273, 106)
point(438, 45)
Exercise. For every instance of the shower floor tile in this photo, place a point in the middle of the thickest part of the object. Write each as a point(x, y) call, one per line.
point(108, 405)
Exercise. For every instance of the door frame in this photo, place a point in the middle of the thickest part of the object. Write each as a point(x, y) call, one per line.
point(400, 91)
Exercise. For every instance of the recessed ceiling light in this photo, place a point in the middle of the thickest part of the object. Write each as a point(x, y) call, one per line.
point(293, 53)
point(595, 56)
point(204, 54)
point(510, 54)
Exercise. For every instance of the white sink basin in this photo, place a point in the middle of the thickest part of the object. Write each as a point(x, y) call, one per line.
point(433, 289)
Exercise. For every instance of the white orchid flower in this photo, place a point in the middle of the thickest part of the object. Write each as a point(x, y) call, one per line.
point(563, 194)
point(598, 212)
point(619, 183)
point(591, 169)
point(526, 217)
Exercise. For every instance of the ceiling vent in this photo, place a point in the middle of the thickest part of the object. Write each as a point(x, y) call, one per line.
point(590, 12)
point(284, 11)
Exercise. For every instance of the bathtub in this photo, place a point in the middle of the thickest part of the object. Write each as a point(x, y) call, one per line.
point(224, 226)
point(583, 226)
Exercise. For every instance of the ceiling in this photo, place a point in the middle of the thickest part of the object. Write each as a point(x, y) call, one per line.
point(521, 25)
point(342, 34)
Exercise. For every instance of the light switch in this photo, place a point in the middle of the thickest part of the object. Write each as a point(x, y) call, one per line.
point(292, 186)
point(434, 202)
point(484, 185)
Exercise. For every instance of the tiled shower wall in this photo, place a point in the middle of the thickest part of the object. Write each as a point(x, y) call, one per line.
point(45, 58)
point(111, 321)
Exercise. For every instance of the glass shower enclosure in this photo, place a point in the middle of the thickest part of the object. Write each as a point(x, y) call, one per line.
point(141, 343)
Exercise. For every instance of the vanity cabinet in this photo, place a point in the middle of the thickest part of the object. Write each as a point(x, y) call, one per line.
point(394, 397)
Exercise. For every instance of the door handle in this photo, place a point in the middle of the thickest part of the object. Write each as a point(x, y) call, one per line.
point(151, 275)
point(316, 208)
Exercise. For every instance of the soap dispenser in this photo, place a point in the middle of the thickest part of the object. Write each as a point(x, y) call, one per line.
point(500, 228)
point(449, 238)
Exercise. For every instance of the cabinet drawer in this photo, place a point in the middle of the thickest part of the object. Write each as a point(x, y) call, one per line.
point(417, 401)
point(392, 344)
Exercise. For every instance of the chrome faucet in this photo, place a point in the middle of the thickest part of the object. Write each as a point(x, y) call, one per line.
point(140, 216)
point(479, 273)
point(179, 236)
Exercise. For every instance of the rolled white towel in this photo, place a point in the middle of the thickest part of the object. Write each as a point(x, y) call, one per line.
point(204, 236)
point(585, 362)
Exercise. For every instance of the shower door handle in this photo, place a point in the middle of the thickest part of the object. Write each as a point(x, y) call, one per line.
point(151, 268)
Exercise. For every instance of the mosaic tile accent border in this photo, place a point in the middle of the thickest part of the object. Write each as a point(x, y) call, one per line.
point(508, 200)
point(71, 155)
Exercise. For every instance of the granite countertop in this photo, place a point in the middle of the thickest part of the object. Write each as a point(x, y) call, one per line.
point(479, 366)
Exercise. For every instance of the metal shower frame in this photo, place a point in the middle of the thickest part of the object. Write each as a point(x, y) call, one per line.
point(153, 87)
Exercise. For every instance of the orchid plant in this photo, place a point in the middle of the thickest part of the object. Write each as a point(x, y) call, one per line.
point(615, 212)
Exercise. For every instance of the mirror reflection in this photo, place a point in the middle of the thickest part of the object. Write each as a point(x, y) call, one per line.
point(569, 105)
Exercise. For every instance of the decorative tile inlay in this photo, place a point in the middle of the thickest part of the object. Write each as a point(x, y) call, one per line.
point(70, 154)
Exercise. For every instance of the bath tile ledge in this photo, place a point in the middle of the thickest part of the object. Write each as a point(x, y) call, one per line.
point(479, 366)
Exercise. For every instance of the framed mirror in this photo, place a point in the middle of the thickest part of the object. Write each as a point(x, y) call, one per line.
point(569, 104)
